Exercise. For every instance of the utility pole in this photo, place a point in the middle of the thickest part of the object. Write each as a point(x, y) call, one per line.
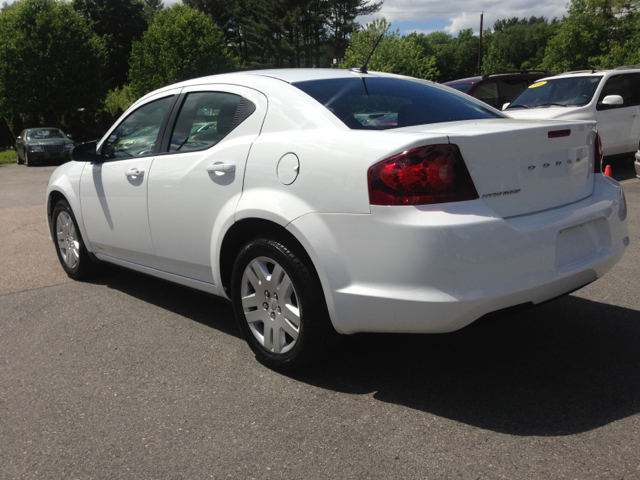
point(480, 46)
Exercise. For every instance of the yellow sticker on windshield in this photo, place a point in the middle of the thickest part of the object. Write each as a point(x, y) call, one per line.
point(539, 84)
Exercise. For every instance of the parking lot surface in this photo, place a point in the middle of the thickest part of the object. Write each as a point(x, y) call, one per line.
point(126, 376)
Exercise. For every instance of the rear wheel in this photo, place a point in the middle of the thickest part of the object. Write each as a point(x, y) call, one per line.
point(70, 248)
point(280, 306)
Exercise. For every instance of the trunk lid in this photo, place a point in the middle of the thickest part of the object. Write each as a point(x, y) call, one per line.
point(517, 168)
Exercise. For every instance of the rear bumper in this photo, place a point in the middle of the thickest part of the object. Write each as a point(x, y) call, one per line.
point(438, 268)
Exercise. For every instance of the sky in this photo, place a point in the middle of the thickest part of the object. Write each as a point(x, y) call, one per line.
point(451, 16)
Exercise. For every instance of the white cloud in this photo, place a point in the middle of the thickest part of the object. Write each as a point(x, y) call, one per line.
point(460, 14)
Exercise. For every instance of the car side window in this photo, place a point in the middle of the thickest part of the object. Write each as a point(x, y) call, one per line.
point(617, 85)
point(206, 118)
point(510, 89)
point(488, 93)
point(634, 80)
point(136, 136)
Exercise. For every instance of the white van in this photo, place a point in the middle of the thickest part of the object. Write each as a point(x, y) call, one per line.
point(611, 97)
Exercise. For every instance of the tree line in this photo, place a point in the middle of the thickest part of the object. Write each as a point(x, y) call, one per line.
point(78, 65)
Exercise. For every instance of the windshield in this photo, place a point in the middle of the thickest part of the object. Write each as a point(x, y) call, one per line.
point(568, 91)
point(376, 103)
point(44, 134)
point(462, 87)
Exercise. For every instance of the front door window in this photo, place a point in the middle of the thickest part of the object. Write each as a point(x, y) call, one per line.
point(136, 136)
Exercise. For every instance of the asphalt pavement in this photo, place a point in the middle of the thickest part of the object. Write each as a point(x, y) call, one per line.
point(126, 376)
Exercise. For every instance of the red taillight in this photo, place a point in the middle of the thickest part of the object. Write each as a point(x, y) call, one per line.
point(597, 163)
point(425, 175)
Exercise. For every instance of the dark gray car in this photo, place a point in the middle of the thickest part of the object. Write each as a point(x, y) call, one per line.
point(37, 145)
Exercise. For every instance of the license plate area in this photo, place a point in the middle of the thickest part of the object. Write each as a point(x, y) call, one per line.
point(582, 244)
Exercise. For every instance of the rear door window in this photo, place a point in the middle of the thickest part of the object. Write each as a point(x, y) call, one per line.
point(634, 85)
point(206, 118)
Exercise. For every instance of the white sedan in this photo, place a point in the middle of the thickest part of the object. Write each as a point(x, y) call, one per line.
point(316, 219)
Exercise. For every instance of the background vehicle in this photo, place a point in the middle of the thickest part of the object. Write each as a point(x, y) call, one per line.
point(315, 222)
point(497, 88)
point(610, 97)
point(36, 145)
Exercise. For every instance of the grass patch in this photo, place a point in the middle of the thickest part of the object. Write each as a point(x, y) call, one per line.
point(8, 156)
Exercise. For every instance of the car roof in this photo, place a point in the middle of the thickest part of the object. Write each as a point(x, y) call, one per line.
point(505, 74)
point(600, 73)
point(292, 75)
point(261, 78)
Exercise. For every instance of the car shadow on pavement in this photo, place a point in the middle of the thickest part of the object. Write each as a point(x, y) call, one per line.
point(198, 306)
point(566, 367)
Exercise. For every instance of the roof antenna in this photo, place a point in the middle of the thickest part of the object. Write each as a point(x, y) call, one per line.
point(363, 68)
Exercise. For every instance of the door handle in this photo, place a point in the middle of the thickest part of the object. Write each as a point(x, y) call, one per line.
point(134, 172)
point(222, 168)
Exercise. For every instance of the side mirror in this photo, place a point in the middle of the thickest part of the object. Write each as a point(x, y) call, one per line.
point(69, 135)
point(19, 137)
point(613, 100)
point(504, 107)
point(86, 153)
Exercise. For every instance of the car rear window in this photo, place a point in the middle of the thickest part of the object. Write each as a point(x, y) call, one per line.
point(376, 103)
point(462, 87)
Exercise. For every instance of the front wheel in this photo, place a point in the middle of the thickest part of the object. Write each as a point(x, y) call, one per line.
point(70, 248)
point(18, 159)
point(280, 306)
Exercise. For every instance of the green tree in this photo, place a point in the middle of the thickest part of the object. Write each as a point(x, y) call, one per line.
point(518, 44)
point(51, 65)
point(118, 101)
point(394, 54)
point(342, 21)
point(293, 33)
point(587, 36)
point(150, 9)
point(118, 23)
point(181, 43)
point(455, 57)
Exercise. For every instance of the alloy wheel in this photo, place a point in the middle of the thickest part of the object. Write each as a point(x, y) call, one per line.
point(270, 304)
point(68, 241)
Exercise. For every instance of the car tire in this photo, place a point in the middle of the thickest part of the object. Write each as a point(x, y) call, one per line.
point(280, 307)
point(70, 248)
point(26, 160)
point(18, 160)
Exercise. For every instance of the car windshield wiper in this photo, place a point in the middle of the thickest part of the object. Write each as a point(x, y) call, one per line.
point(551, 104)
point(518, 105)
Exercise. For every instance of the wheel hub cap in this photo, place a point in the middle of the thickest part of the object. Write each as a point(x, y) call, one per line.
point(270, 305)
point(68, 244)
